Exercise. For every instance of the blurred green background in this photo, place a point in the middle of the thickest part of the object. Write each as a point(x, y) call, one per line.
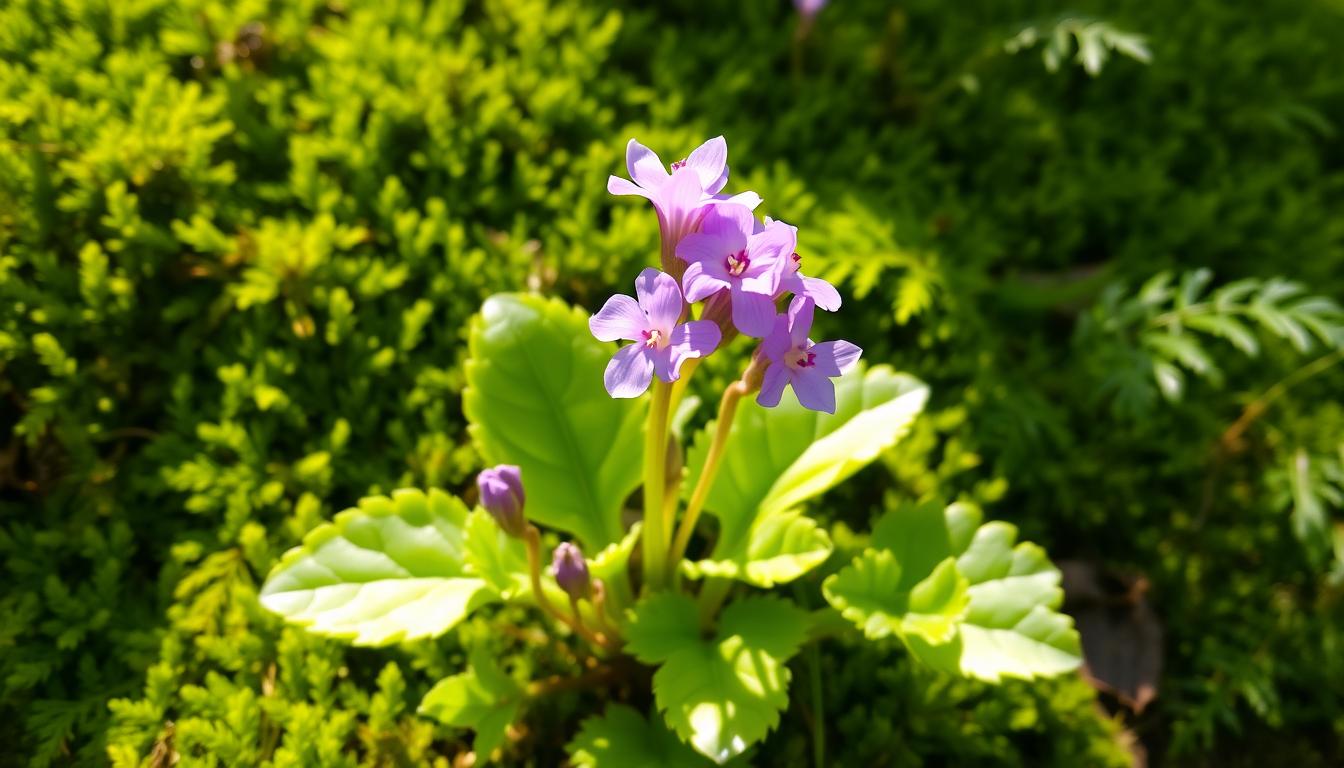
point(240, 242)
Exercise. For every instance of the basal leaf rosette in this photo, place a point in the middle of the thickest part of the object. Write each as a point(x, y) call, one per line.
point(535, 399)
point(964, 597)
point(778, 458)
point(390, 570)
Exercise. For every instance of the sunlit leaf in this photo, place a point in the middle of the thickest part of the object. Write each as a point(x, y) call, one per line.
point(483, 698)
point(390, 570)
point(622, 738)
point(719, 695)
point(535, 398)
point(777, 458)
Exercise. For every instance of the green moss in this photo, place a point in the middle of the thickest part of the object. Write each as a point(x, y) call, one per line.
point(240, 244)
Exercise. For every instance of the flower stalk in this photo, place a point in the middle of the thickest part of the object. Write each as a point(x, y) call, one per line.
point(727, 411)
point(655, 486)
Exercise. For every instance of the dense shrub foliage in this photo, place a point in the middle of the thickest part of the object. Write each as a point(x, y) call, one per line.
point(241, 244)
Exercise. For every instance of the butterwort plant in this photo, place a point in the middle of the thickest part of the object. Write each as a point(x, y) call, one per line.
point(575, 413)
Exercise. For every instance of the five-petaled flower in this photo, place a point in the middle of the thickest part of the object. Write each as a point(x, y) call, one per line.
point(796, 361)
point(681, 195)
point(728, 253)
point(661, 343)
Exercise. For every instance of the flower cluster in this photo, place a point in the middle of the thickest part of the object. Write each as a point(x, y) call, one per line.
point(738, 269)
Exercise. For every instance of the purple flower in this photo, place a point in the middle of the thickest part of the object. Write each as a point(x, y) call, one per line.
point(502, 496)
point(794, 281)
point(796, 361)
point(729, 254)
point(571, 571)
point(661, 345)
point(679, 196)
point(809, 8)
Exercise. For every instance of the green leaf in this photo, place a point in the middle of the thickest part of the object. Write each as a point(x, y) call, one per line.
point(612, 566)
point(622, 738)
point(660, 625)
point(777, 458)
point(778, 549)
point(1310, 521)
point(390, 570)
point(535, 398)
point(484, 699)
point(496, 557)
point(724, 694)
point(1010, 626)
point(870, 592)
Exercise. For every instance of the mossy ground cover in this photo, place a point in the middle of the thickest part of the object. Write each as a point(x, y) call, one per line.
point(241, 244)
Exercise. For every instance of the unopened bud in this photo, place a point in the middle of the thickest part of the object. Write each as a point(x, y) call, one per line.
point(502, 496)
point(571, 571)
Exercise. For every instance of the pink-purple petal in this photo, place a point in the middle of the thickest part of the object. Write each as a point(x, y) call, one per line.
point(748, 200)
point(704, 246)
point(814, 389)
point(761, 276)
point(696, 338)
point(660, 298)
point(710, 161)
point(629, 372)
point(772, 385)
point(835, 358)
point(618, 186)
point(753, 313)
point(819, 291)
point(678, 202)
point(701, 282)
point(732, 222)
point(800, 319)
point(777, 240)
point(645, 168)
point(777, 343)
point(619, 318)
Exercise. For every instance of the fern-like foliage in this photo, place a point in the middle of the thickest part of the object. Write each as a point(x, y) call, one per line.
point(1089, 41)
point(1151, 342)
point(1311, 485)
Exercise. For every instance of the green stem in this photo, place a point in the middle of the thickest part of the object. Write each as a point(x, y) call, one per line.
point(655, 485)
point(727, 410)
point(712, 594)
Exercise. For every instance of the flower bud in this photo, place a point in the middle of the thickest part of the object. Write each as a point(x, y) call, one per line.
point(502, 496)
point(571, 571)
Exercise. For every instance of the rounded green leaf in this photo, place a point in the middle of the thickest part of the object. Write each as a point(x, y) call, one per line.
point(622, 738)
point(870, 592)
point(391, 570)
point(1010, 626)
point(535, 398)
point(724, 694)
point(483, 698)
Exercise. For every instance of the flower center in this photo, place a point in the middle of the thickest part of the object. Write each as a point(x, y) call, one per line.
point(678, 165)
point(737, 263)
point(653, 339)
point(802, 358)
